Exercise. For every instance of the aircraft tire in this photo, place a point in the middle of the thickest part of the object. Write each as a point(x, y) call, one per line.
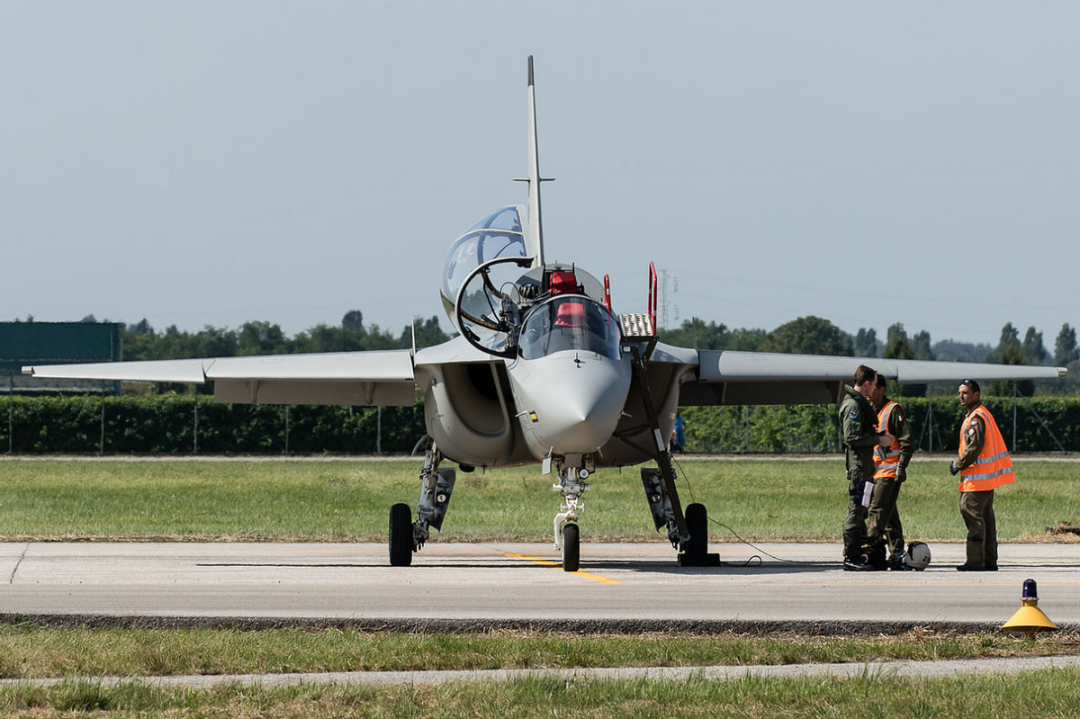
point(697, 523)
point(401, 535)
point(571, 547)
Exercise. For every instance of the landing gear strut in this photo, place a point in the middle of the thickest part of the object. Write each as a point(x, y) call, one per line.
point(436, 486)
point(567, 534)
point(688, 533)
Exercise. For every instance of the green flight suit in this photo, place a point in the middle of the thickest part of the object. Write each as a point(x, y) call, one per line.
point(857, 419)
point(883, 519)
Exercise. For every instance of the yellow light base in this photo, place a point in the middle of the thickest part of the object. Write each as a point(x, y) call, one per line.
point(1029, 619)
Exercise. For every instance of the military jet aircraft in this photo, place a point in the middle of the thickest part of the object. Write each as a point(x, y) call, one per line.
point(543, 372)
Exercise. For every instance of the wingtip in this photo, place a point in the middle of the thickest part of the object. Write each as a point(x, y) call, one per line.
point(530, 70)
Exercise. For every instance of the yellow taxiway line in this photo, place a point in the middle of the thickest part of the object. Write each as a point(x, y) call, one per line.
point(549, 563)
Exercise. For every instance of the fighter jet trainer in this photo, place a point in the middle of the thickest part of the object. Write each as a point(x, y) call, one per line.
point(543, 372)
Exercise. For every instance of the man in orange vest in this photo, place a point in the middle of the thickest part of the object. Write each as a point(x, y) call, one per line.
point(984, 465)
point(890, 471)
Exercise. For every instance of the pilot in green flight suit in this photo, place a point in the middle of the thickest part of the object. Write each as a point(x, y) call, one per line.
point(860, 438)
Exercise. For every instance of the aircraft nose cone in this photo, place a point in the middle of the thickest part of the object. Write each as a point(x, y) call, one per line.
point(579, 404)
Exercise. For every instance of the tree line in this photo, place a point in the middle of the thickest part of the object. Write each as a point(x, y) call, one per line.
point(142, 342)
point(805, 335)
point(814, 335)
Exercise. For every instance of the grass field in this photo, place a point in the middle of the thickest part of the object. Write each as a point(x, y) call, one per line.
point(1047, 694)
point(30, 651)
point(350, 500)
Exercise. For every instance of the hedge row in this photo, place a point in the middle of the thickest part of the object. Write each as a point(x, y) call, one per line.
point(815, 428)
point(166, 425)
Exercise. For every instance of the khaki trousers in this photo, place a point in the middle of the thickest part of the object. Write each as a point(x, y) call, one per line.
point(977, 509)
point(882, 519)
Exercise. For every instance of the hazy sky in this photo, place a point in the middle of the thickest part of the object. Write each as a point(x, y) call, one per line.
point(216, 162)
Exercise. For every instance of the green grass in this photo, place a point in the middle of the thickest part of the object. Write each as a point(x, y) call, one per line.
point(1049, 693)
point(349, 500)
point(30, 651)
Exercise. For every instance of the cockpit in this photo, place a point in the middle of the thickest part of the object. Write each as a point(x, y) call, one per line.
point(571, 322)
point(496, 236)
point(507, 306)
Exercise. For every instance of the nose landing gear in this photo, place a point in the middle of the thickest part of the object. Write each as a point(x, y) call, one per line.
point(567, 534)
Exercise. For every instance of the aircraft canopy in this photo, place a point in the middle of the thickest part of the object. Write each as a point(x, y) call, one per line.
point(496, 236)
point(570, 322)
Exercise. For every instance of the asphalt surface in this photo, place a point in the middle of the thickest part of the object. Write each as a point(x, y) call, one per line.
point(497, 584)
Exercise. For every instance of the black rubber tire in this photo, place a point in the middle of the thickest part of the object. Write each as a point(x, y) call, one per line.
point(401, 535)
point(697, 523)
point(571, 547)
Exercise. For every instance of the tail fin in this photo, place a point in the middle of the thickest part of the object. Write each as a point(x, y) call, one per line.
point(534, 230)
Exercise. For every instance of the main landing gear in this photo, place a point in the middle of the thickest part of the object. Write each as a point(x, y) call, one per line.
point(688, 533)
point(436, 486)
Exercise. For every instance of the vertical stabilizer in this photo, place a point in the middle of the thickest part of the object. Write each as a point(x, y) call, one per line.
point(534, 229)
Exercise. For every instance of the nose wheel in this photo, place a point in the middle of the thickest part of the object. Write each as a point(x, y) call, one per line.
point(567, 535)
point(571, 547)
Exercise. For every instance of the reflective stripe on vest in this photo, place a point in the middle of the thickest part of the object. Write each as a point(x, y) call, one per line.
point(994, 466)
point(886, 459)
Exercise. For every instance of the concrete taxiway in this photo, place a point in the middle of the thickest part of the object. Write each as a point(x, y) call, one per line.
point(507, 582)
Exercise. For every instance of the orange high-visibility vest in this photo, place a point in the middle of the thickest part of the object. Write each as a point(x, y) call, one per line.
point(994, 466)
point(886, 459)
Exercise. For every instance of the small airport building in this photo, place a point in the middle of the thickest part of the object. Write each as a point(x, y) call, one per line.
point(29, 343)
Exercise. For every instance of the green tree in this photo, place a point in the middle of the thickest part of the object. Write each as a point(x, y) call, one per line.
point(1009, 351)
point(747, 340)
point(809, 335)
point(138, 340)
point(261, 338)
point(1008, 346)
point(920, 344)
point(1034, 350)
point(713, 336)
point(215, 342)
point(353, 319)
point(952, 351)
point(866, 343)
point(327, 338)
point(1065, 350)
point(694, 332)
point(900, 347)
point(428, 333)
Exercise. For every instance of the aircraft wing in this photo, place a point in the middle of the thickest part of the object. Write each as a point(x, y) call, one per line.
point(729, 377)
point(342, 378)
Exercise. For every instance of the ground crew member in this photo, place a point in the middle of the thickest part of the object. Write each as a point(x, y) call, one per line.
point(859, 438)
point(984, 465)
point(890, 471)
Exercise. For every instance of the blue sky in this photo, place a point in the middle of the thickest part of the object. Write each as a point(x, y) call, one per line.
point(212, 163)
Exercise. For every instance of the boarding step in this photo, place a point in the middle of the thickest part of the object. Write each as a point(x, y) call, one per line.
point(636, 326)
